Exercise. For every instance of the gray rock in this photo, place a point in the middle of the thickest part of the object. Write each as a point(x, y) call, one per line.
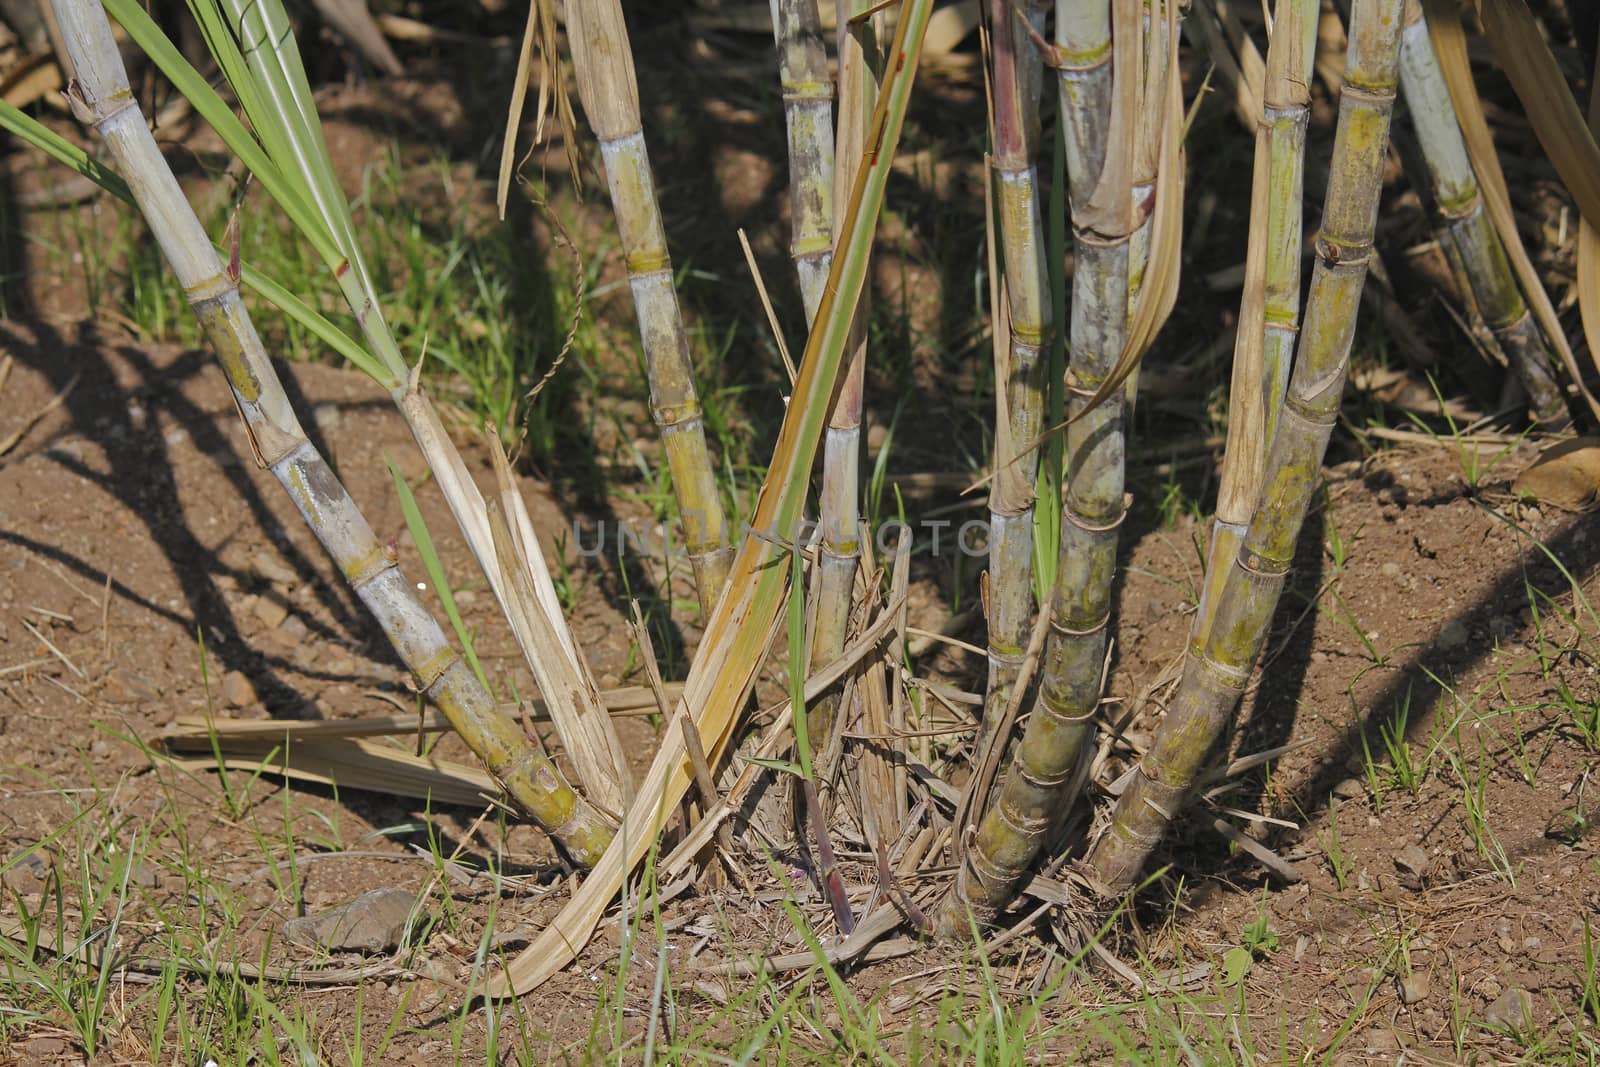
point(1512, 1010)
point(1414, 987)
point(237, 690)
point(1453, 634)
point(373, 922)
point(271, 569)
point(270, 611)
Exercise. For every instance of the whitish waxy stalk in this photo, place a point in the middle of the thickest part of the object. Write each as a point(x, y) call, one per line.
point(1099, 87)
point(286, 151)
point(102, 99)
point(1461, 209)
point(1214, 676)
point(602, 61)
point(1269, 308)
point(808, 114)
point(840, 511)
point(742, 626)
point(1022, 358)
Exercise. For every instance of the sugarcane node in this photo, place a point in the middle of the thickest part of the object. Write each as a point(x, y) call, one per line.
point(647, 265)
point(677, 416)
point(435, 667)
point(364, 568)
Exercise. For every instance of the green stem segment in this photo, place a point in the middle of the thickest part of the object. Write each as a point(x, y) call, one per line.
point(1034, 792)
point(1021, 358)
point(1215, 674)
point(102, 100)
point(1478, 249)
point(1269, 309)
point(602, 61)
point(840, 511)
point(808, 114)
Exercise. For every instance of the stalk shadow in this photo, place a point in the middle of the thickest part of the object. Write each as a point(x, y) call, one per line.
point(141, 477)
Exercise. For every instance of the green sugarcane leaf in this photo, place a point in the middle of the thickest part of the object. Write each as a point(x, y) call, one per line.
point(32, 132)
point(188, 81)
point(52, 144)
point(435, 569)
point(313, 320)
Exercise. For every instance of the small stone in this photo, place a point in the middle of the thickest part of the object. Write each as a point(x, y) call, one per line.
point(1453, 634)
point(44, 1049)
point(1512, 1010)
point(466, 598)
point(100, 750)
point(327, 417)
point(1390, 570)
point(1532, 944)
point(1502, 626)
point(271, 569)
point(373, 922)
point(293, 630)
point(1349, 789)
point(125, 687)
point(1414, 987)
point(1506, 945)
point(144, 874)
point(270, 612)
point(26, 872)
point(237, 690)
point(1412, 863)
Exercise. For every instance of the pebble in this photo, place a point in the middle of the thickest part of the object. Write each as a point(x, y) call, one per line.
point(1414, 987)
point(237, 690)
point(1453, 634)
point(270, 569)
point(372, 923)
point(1349, 789)
point(1390, 570)
point(293, 629)
point(270, 612)
point(1512, 1010)
point(125, 687)
point(327, 417)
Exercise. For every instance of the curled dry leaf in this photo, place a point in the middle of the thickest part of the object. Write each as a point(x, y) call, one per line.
point(1567, 476)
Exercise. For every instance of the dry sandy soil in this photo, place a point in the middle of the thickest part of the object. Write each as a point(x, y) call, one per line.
point(1427, 608)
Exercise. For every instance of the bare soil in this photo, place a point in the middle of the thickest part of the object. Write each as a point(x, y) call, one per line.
point(138, 540)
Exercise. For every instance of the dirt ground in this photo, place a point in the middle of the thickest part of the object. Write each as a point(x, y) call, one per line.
point(134, 516)
point(1433, 664)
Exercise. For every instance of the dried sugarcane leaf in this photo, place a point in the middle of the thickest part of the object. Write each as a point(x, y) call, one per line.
point(353, 764)
point(1567, 476)
point(1589, 243)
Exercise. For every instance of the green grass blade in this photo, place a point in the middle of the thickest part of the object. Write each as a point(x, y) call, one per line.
point(430, 560)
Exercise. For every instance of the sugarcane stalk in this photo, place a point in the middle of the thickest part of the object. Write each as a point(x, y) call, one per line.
point(1098, 85)
point(1147, 145)
point(1214, 676)
point(102, 100)
point(808, 116)
point(1286, 100)
point(839, 515)
point(1021, 353)
point(254, 45)
point(602, 61)
point(1482, 257)
point(1269, 308)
